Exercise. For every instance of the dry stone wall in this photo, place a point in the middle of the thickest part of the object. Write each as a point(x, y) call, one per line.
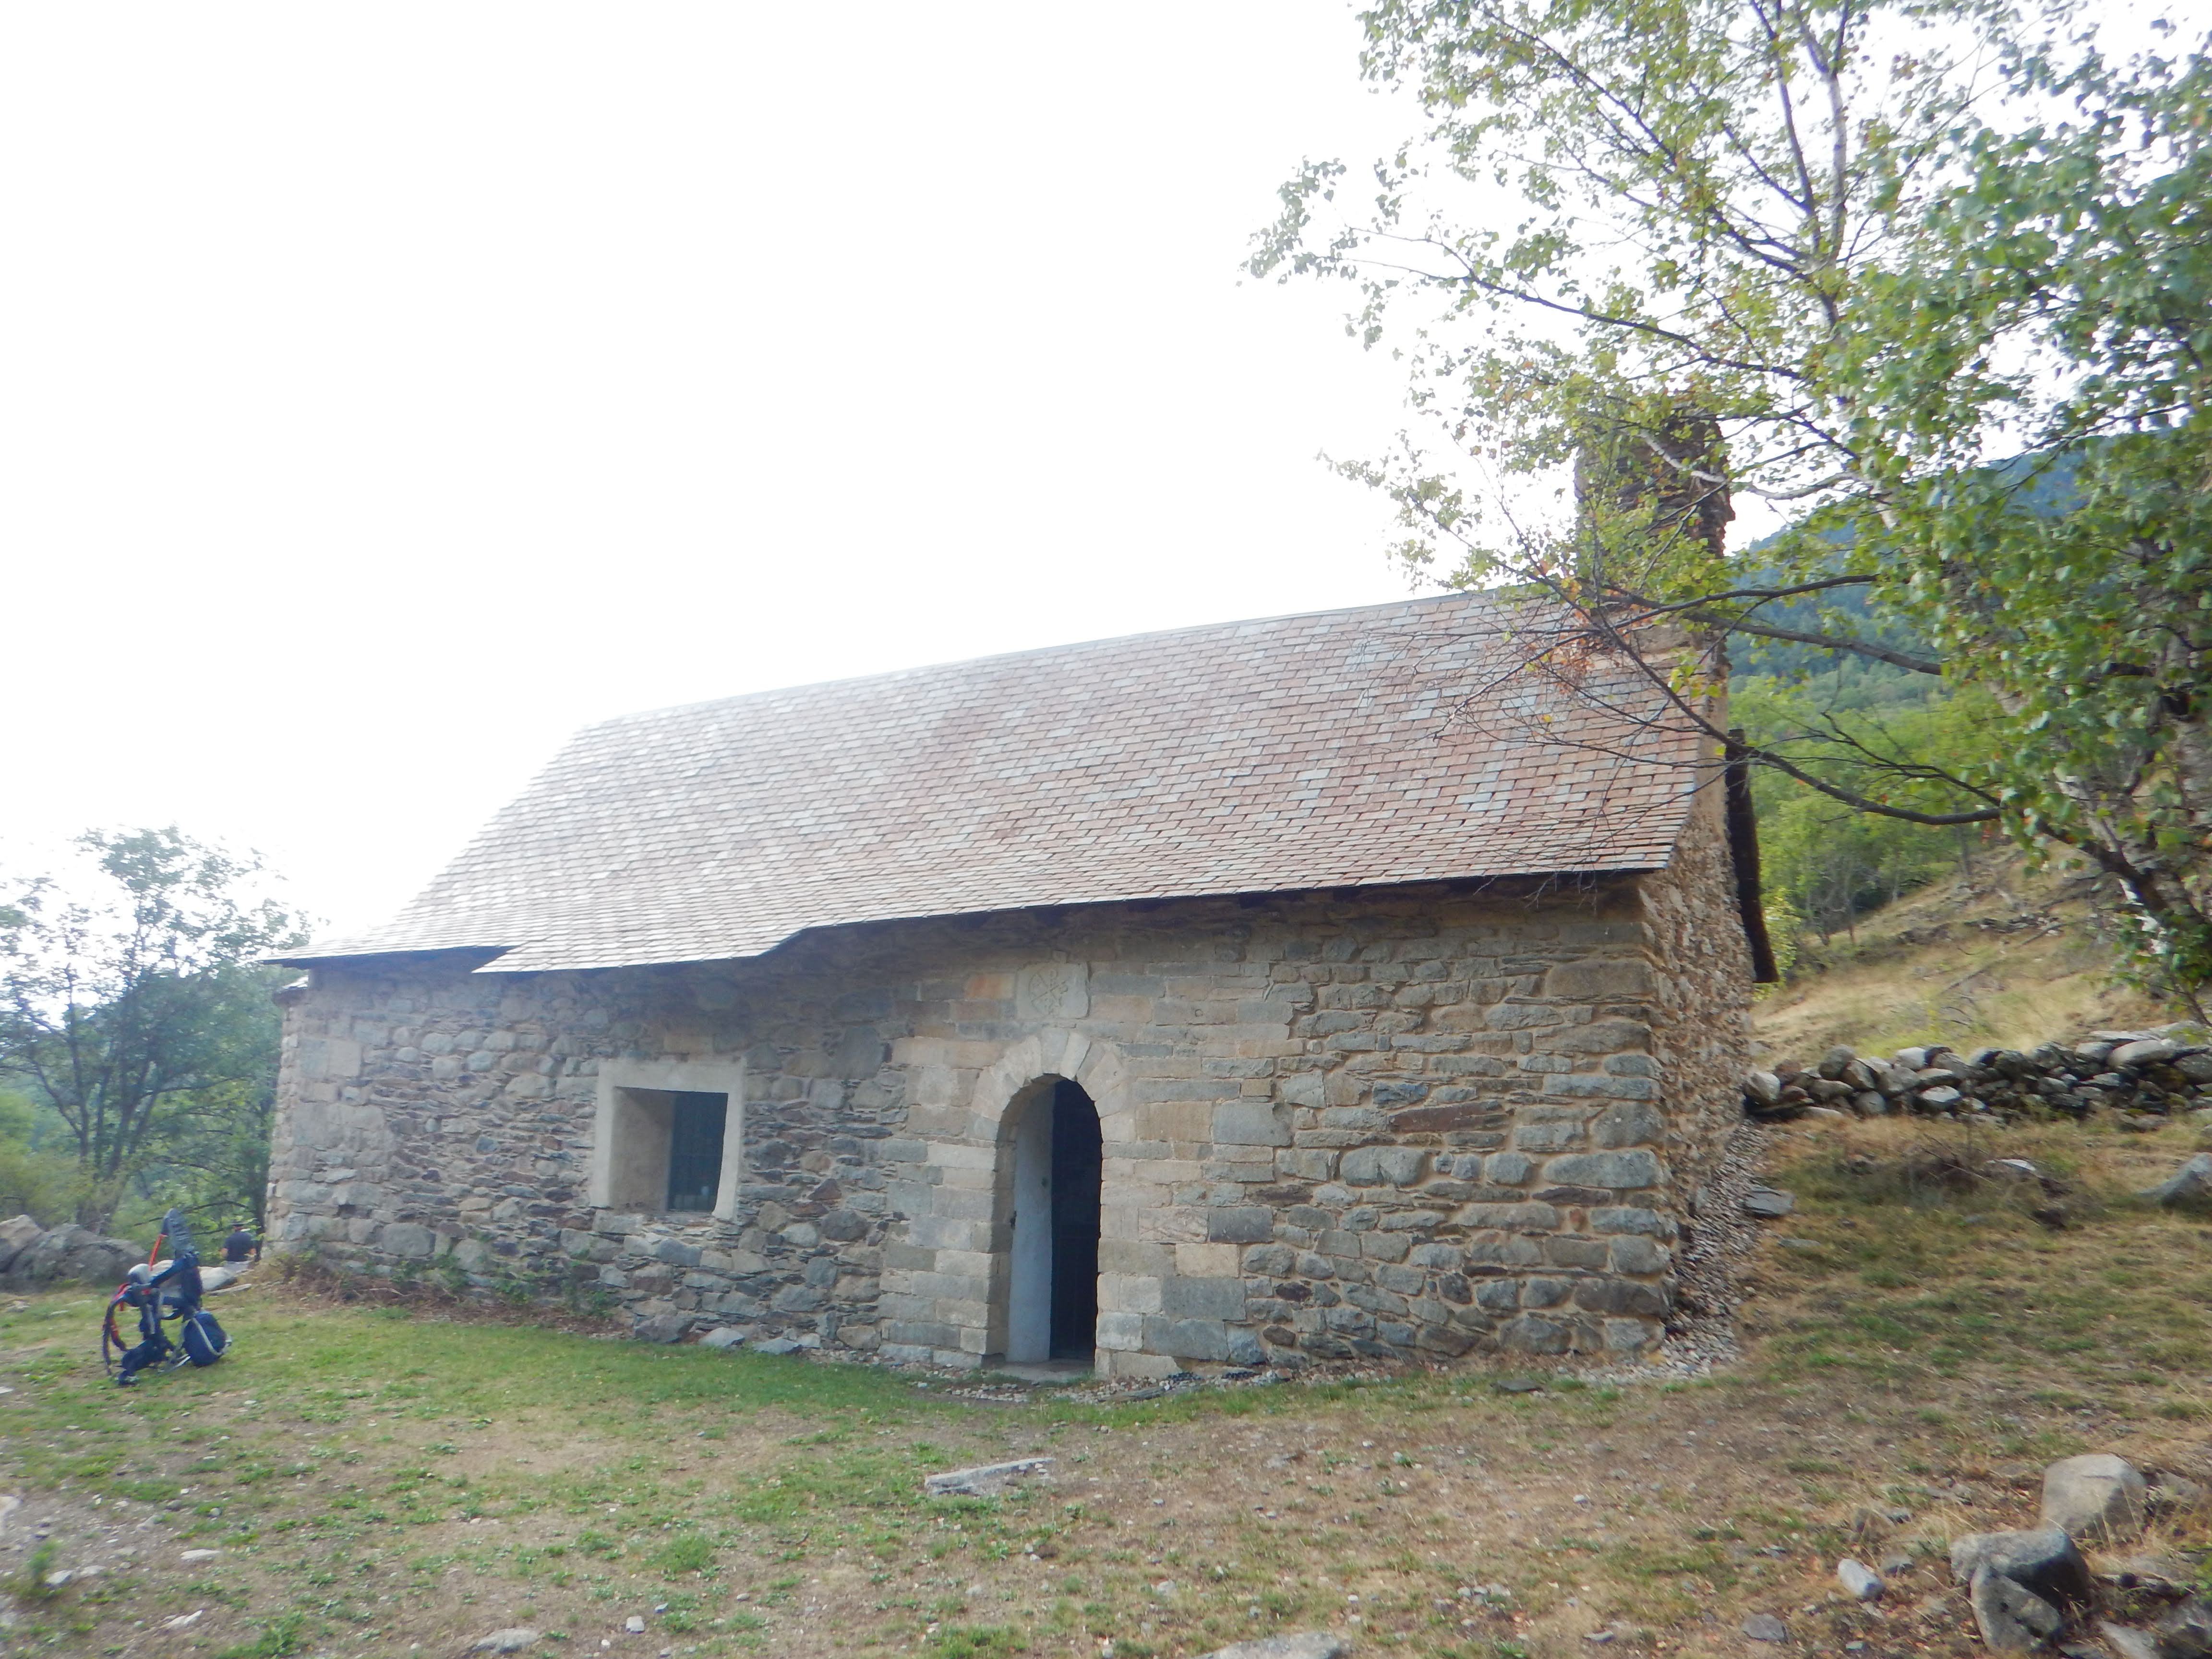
point(1412, 1121)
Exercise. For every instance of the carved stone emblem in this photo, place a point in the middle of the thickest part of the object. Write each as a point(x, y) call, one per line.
point(1052, 990)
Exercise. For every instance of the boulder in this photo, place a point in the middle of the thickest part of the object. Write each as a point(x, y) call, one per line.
point(71, 1252)
point(102, 1261)
point(723, 1336)
point(513, 1639)
point(2096, 1497)
point(661, 1327)
point(2191, 1184)
point(1835, 1062)
point(2012, 1618)
point(1762, 1088)
point(17, 1235)
point(1767, 1203)
point(41, 1262)
point(2045, 1560)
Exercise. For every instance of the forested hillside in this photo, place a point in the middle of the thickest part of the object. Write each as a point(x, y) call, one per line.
point(1846, 717)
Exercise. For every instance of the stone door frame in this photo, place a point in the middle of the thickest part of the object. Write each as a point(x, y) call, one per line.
point(1002, 1092)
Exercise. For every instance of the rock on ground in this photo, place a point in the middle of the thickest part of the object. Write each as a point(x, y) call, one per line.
point(513, 1639)
point(1765, 1627)
point(71, 1252)
point(2190, 1184)
point(1860, 1582)
point(2012, 1618)
point(2045, 1560)
point(2096, 1497)
point(1767, 1202)
point(1307, 1644)
point(2173, 1494)
point(722, 1336)
point(2128, 1642)
point(634, 1625)
point(2183, 1631)
point(17, 1235)
point(986, 1480)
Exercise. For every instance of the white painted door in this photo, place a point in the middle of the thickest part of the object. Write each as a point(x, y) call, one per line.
point(1029, 1290)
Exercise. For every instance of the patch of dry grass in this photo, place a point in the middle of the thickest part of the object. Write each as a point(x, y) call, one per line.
point(376, 1480)
point(2011, 961)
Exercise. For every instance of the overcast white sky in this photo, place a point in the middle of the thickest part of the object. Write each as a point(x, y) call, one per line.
point(385, 392)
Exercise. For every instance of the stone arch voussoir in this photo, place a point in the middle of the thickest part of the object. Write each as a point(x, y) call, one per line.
point(1052, 1052)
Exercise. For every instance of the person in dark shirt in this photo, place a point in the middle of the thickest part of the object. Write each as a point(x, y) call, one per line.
point(241, 1245)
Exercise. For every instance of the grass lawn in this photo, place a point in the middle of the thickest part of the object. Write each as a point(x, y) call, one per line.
point(377, 1481)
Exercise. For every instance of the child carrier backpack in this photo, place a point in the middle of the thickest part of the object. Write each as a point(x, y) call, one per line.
point(158, 1297)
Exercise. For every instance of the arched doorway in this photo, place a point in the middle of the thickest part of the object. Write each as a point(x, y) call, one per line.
point(1052, 1282)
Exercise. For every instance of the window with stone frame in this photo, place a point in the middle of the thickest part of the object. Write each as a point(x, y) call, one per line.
point(667, 1150)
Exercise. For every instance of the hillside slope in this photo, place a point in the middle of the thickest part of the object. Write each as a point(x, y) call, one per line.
point(2009, 959)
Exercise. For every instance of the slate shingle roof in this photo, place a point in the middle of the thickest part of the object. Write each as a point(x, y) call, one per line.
point(1344, 748)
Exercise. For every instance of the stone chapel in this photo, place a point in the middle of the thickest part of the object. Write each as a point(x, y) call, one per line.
point(1266, 992)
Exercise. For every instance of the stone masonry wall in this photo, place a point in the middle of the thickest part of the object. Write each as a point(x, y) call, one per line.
point(1406, 1122)
point(1701, 1013)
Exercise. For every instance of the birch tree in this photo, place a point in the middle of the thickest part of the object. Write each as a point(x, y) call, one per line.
point(1649, 260)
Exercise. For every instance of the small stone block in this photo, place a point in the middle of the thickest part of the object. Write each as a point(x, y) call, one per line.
point(985, 1480)
point(1860, 1582)
point(1307, 1644)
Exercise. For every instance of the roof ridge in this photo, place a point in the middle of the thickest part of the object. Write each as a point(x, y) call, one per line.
point(1488, 598)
